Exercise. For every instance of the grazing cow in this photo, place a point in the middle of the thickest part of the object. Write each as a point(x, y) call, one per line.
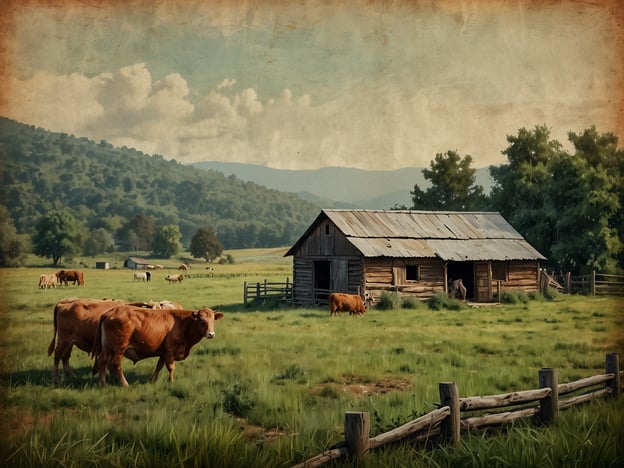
point(341, 302)
point(184, 267)
point(174, 278)
point(457, 288)
point(64, 276)
point(76, 321)
point(47, 281)
point(142, 276)
point(139, 334)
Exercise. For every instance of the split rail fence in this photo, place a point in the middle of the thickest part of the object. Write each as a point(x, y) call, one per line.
point(594, 284)
point(268, 291)
point(446, 423)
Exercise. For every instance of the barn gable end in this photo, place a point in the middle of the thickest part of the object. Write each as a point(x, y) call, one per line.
point(413, 253)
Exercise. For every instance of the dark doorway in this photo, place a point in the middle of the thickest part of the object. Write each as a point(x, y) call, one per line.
point(465, 271)
point(322, 277)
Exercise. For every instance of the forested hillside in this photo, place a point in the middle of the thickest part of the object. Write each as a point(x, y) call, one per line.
point(106, 187)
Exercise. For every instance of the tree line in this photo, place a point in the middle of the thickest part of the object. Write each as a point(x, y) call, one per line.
point(568, 205)
point(106, 188)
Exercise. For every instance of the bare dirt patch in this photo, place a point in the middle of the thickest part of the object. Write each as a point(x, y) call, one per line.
point(357, 386)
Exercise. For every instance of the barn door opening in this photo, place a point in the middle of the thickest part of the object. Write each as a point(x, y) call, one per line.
point(465, 271)
point(322, 280)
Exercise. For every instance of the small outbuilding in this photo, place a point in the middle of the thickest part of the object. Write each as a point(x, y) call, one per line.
point(136, 263)
point(413, 253)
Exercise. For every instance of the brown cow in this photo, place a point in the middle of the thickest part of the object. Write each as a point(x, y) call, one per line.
point(65, 276)
point(138, 334)
point(76, 321)
point(341, 302)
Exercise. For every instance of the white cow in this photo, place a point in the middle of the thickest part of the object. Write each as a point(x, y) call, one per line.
point(48, 281)
point(142, 276)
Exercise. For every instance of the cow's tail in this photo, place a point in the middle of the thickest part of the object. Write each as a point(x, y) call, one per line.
point(97, 342)
point(53, 342)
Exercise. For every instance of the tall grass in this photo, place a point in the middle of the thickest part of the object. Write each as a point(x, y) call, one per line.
point(271, 389)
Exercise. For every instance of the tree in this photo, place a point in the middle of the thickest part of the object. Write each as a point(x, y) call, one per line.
point(12, 245)
point(205, 244)
point(520, 188)
point(57, 234)
point(144, 228)
point(100, 240)
point(452, 185)
point(167, 241)
point(586, 191)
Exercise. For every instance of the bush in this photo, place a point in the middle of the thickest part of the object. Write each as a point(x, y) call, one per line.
point(389, 301)
point(442, 301)
point(514, 297)
point(410, 302)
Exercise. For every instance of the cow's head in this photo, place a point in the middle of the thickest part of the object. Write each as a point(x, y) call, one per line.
point(205, 321)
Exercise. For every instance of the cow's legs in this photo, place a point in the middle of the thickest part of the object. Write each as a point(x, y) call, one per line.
point(159, 366)
point(116, 365)
point(101, 363)
point(171, 368)
point(62, 353)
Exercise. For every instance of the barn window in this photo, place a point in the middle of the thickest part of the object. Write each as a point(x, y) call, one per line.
point(499, 271)
point(412, 272)
point(327, 229)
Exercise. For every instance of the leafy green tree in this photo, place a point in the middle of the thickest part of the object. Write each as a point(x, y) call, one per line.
point(99, 241)
point(586, 190)
point(12, 245)
point(58, 234)
point(205, 244)
point(452, 185)
point(167, 241)
point(520, 189)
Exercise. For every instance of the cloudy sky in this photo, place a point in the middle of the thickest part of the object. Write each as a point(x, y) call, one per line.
point(301, 85)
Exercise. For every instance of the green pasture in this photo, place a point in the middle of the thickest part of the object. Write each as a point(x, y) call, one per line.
point(273, 386)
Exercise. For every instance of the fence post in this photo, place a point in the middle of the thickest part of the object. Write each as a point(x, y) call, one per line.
point(265, 287)
point(549, 406)
point(451, 425)
point(245, 292)
point(593, 283)
point(357, 433)
point(613, 367)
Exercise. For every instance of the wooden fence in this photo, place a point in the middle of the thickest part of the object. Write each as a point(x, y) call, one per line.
point(268, 291)
point(594, 284)
point(446, 422)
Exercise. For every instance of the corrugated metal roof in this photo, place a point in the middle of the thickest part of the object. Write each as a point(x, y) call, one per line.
point(484, 249)
point(399, 248)
point(449, 235)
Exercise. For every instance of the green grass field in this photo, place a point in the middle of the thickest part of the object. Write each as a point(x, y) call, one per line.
point(273, 386)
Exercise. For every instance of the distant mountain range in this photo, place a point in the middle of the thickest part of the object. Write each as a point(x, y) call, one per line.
point(338, 187)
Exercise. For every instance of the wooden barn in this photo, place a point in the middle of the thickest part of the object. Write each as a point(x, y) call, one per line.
point(136, 263)
point(414, 253)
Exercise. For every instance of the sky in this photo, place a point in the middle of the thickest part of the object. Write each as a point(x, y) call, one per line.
point(308, 84)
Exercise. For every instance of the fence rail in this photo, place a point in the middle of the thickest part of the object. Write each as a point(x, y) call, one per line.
point(446, 423)
point(594, 284)
point(268, 291)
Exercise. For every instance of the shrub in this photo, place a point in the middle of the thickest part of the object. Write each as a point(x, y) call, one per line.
point(514, 297)
point(442, 301)
point(388, 301)
point(410, 302)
